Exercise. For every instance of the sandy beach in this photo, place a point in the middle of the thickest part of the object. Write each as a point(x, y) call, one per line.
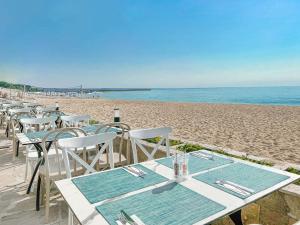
point(266, 131)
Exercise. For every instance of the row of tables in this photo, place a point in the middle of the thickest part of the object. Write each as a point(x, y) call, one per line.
point(158, 198)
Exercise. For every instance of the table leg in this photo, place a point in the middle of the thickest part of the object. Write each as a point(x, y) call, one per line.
point(33, 176)
point(37, 200)
point(39, 149)
point(237, 217)
point(7, 130)
point(17, 148)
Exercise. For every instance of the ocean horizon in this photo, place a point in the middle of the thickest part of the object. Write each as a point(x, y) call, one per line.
point(287, 95)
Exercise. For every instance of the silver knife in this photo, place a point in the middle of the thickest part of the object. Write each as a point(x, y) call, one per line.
point(240, 186)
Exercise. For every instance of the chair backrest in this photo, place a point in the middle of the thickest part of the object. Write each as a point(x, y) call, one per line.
point(38, 124)
point(54, 136)
point(123, 130)
point(18, 110)
point(137, 135)
point(7, 104)
point(40, 109)
point(68, 145)
point(13, 106)
point(31, 104)
point(56, 113)
point(15, 120)
point(75, 121)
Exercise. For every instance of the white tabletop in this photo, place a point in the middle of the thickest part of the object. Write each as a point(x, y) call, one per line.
point(87, 213)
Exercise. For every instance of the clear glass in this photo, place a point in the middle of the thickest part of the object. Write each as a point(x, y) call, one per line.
point(180, 166)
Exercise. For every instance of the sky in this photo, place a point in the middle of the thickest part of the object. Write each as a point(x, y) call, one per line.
point(150, 43)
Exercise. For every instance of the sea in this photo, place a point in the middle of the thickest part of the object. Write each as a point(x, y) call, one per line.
point(227, 95)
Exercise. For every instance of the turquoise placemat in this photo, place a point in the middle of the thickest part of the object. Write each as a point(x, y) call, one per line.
point(248, 176)
point(197, 164)
point(41, 134)
point(171, 204)
point(110, 184)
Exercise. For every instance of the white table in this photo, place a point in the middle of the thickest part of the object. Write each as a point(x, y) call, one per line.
point(87, 214)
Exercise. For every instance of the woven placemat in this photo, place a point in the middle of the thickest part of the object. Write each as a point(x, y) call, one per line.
point(110, 184)
point(242, 174)
point(171, 204)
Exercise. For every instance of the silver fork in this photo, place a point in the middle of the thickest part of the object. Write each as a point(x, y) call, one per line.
point(234, 186)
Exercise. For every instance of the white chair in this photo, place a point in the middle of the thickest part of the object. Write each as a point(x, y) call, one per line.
point(33, 125)
point(41, 110)
point(53, 167)
point(137, 135)
point(17, 127)
point(68, 146)
point(31, 105)
point(8, 108)
point(75, 121)
point(120, 159)
point(10, 113)
point(56, 113)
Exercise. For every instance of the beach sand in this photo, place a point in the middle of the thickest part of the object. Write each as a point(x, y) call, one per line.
point(265, 131)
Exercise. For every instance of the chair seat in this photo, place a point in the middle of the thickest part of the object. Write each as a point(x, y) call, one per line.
point(33, 155)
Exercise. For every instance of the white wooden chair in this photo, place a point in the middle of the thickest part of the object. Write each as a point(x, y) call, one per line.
point(8, 109)
point(137, 135)
point(75, 121)
point(120, 159)
point(31, 104)
point(68, 146)
point(16, 127)
point(33, 125)
point(56, 113)
point(41, 110)
point(10, 113)
point(53, 168)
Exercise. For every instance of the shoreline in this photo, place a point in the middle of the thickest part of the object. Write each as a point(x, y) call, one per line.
point(262, 130)
point(167, 102)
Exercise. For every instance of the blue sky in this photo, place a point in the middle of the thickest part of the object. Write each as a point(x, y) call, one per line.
point(150, 43)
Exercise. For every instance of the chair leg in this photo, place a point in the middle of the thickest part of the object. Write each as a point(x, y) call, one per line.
point(26, 168)
point(70, 217)
point(47, 200)
point(6, 131)
point(17, 148)
point(14, 147)
point(43, 191)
